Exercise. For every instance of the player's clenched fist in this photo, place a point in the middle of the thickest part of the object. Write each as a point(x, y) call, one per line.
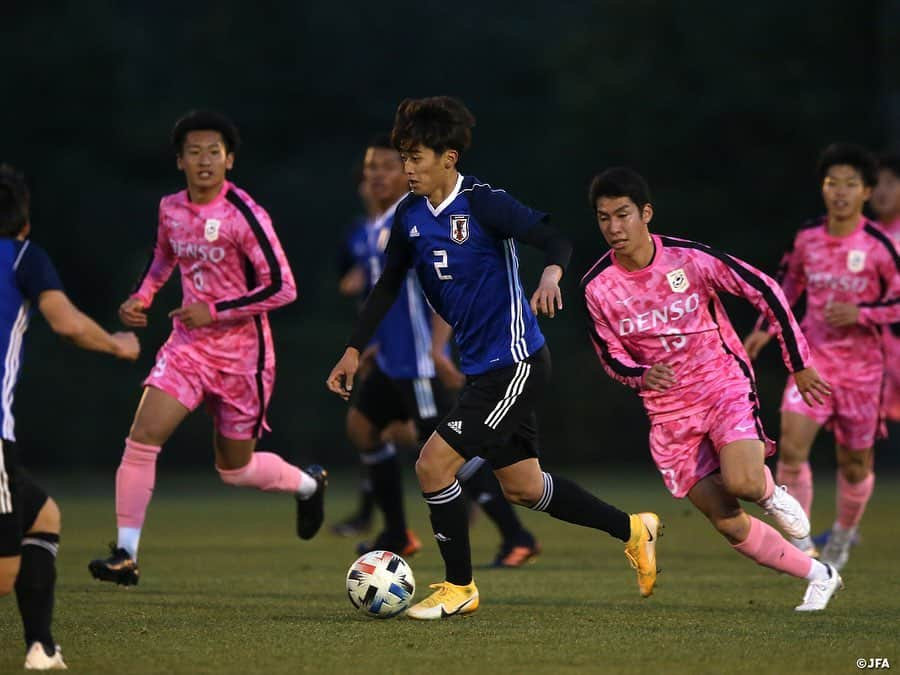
point(340, 381)
point(133, 313)
point(811, 386)
point(659, 377)
point(195, 315)
point(128, 346)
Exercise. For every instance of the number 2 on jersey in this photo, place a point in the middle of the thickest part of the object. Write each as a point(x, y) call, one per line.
point(440, 265)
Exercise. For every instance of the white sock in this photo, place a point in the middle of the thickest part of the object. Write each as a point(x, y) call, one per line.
point(307, 487)
point(818, 572)
point(129, 538)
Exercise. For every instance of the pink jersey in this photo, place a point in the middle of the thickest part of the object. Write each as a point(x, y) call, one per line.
point(669, 312)
point(861, 268)
point(230, 258)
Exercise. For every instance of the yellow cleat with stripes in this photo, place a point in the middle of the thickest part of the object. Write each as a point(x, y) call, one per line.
point(640, 550)
point(446, 601)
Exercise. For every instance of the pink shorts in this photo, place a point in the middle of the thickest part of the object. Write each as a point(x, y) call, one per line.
point(686, 450)
point(854, 415)
point(236, 401)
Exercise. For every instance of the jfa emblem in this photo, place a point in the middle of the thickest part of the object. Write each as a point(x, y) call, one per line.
point(678, 280)
point(211, 232)
point(856, 261)
point(459, 228)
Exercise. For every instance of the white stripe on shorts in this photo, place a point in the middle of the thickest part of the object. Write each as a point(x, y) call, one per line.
point(5, 494)
point(516, 385)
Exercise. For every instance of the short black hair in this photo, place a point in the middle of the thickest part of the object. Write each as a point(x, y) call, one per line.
point(380, 141)
point(206, 120)
point(852, 155)
point(620, 181)
point(437, 122)
point(15, 202)
point(890, 161)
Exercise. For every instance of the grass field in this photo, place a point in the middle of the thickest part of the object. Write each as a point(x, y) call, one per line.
point(227, 588)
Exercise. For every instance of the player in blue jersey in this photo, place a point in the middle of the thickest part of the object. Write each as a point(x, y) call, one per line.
point(410, 380)
point(459, 235)
point(29, 519)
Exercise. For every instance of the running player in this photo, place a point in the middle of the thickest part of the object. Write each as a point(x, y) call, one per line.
point(659, 326)
point(843, 262)
point(29, 519)
point(411, 380)
point(233, 271)
point(885, 203)
point(459, 235)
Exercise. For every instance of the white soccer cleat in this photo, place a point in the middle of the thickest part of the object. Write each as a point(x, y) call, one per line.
point(836, 551)
point(788, 513)
point(818, 593)
point(37, 659)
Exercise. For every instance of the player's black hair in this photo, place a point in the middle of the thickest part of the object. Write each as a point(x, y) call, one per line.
point(890, 161)
point(15, 202)
point(438, 122)
point(620, 181)
point(205, 120)
point(380, 141)
point(849, 154)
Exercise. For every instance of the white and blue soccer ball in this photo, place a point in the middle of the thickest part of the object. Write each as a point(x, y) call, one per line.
point(380, 584)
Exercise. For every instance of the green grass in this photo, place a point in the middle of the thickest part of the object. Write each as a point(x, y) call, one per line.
point(227, 588)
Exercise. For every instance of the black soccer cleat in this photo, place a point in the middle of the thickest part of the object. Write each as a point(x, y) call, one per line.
point(311, 512)
point(119, 567)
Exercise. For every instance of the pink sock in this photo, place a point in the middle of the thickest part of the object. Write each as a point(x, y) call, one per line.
point(852, 499)
point(770, 549)
point(265, 471)
point(770, 485)
point(134, 483)
point(798, 481)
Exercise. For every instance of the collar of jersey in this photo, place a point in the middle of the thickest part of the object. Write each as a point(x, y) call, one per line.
point(200, 208)
point(657, 249)
point(449, 200)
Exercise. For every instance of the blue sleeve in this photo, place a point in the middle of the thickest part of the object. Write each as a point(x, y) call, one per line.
point(503, 214)
point(35, 272)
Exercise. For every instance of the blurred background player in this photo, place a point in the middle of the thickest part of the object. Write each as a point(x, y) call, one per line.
point(658, 326)
point(220, 351)
point(459, 235)
point(848, 267)
point(411, 379)
point(885, 203)
point(29, 519)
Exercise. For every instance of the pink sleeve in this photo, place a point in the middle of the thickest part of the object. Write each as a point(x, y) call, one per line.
point(158, 269)
point(726, 273)
point(886, 310)
point(792, 281)
point(614, 358)
point(275, 285)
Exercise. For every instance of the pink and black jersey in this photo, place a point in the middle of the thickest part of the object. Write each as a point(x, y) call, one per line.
point(861, 268)
point(230, 258)
point(669, 312)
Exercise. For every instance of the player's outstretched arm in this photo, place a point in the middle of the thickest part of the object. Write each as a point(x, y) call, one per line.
point(68, 321)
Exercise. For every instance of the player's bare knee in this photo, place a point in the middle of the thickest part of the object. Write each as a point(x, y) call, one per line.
point(432, 474)
point(746, 486)
point(522, 493)
point(146, 433)
point(49, 518)
point(853, 466)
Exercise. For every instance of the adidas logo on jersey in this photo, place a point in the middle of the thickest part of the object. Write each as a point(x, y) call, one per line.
point(414, 232)
point(456, 425)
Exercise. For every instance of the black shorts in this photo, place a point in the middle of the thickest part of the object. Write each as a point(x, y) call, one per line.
point(21, 499)
point(384, 400)
point(494, 417)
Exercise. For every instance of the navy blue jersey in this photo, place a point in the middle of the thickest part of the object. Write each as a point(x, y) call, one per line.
point(404, 335)
point(464, 254)
point(27, 272)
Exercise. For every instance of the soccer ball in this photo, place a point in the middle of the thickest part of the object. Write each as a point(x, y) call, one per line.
point(380, 584)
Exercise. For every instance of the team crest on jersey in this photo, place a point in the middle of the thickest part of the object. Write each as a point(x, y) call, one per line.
point(459, 228)
point(856, 260)
point(211, 231)
point(678, 280)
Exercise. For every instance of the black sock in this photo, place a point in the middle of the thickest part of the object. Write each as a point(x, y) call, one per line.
point(451, 530)
point(483, 488)
point(35, 587)
point(569, 501)
point(387, 490)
